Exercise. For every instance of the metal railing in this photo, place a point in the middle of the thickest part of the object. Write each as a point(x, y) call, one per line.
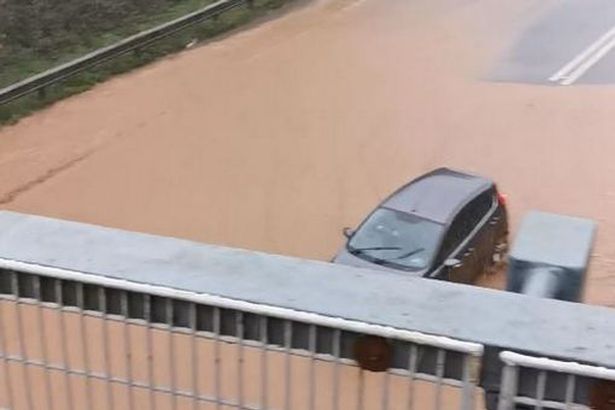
point(87, 341)
point(127, 320)
point(544, 383)
point(40, 81)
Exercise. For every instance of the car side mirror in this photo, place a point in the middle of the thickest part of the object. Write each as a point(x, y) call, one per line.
point(348, 232)
point(452, 263)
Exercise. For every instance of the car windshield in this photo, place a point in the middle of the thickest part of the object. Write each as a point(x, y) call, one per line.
point(396, 239)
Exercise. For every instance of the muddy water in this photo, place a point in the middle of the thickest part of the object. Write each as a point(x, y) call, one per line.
point(277, 137)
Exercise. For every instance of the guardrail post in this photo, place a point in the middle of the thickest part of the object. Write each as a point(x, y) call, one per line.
point(509, 387)
point(470, 375)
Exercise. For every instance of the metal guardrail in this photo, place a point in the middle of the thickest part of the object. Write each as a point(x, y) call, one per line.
point(137, 41)
point(553, 384)
point(82, 340)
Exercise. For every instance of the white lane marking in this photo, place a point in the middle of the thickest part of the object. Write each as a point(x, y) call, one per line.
point(578, 59)
point(583, 61)
point(582, 69)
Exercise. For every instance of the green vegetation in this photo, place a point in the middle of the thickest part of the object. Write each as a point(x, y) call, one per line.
point(36, 35)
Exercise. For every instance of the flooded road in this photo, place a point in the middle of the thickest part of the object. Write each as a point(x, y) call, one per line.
point(277, 137)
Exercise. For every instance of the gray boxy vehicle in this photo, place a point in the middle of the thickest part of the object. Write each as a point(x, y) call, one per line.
point(446, 225)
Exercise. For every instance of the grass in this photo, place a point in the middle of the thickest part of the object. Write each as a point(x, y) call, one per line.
point(18, 67)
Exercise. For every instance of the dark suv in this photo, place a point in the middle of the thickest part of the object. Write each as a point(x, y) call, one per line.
point(446, 225)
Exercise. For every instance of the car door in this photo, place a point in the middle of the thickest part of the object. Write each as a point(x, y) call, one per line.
point(465, 251)
point(477, 247)
point(485, 236)
point(466, 241)
point(450, 249)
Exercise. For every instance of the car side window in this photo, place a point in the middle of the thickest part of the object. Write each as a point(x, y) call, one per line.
point(480, 206)
point(465, 222)
point(453, 237)
point(448, 246)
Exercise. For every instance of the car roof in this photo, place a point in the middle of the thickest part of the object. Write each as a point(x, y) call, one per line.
point(438, 195)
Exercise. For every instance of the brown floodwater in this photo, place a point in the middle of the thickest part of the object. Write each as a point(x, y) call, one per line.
point(280, 135)
point(276, 137)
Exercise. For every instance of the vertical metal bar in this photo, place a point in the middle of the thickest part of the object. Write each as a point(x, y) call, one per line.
point(468, 390)
point(570, 387)
point(385, 390)
point(336, 367)
point(508, 387)
point(5, 356)
point(440, 361)
point(264, 368)
point(541, 386)
point(147, 313)
point(217, 380)
point(63, 340)
point(412, 366)
point(85, 343)
point(312, 375)
point(360, 389)
point(43, 340)
point(20, 337)
point(127, 347)
point(288, 340)
point(169, 318)
point(102, 302)
point(239, 332)
point(195, 357)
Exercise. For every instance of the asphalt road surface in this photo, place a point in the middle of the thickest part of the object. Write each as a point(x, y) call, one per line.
point(276, 137)
point(571, 43)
